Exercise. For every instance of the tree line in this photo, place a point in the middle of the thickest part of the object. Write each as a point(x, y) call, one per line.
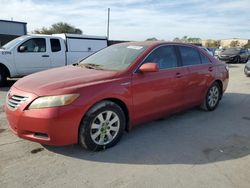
point(63, 27)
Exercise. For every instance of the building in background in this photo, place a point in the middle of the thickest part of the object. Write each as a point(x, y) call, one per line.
point(226, 43)
point(10, 30)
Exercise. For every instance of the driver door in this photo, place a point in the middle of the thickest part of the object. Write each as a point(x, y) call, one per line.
point(32, 56)
point(156, 94)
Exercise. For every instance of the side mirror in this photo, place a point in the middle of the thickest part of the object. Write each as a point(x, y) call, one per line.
point(22, 48)
point(149, 67)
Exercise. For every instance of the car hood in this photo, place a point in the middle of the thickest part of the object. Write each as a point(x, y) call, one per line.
point(229, 53)
point(62, 80)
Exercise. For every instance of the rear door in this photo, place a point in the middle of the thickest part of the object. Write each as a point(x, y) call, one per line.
point(58, 56)
point(158, 93)
point(35, 58)
point(200, 74)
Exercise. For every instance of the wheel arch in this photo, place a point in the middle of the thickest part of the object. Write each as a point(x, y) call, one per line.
point(2, 66)
point(124, 107)
point(117, 101)
point(221, 86)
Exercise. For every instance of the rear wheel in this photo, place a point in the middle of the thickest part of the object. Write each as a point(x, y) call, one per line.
point(3, 78)
point(212, 98)
point(102, 126)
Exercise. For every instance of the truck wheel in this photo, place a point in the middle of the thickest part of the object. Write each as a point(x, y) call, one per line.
point(3, 78)
point(102, 126)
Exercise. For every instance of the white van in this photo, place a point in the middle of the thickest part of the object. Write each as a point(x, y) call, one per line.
point(32, 53)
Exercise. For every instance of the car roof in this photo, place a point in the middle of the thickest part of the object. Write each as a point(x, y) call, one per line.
point(156, 43)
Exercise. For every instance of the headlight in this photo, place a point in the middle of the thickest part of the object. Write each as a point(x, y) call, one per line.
point(53, 101)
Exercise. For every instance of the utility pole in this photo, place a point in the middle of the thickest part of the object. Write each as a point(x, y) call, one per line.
point(108, 23)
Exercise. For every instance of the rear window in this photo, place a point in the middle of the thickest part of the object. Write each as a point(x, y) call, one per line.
point(204, 59)
point(189, 56)
point(55, 45)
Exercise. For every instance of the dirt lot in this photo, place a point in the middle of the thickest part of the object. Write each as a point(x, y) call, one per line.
point(191, 149)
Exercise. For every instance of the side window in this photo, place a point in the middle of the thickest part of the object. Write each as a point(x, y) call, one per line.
point(243, 51)
point(34, 45)
point(204, 59)
point(55, 45)
point(189, 56)
point(164, 56)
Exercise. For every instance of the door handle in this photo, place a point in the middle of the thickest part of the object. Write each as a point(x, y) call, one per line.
point(45, 55)
point(210, 69)
point(178, 75)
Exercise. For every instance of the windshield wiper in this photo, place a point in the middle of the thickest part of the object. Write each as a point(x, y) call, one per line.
point(90, 66)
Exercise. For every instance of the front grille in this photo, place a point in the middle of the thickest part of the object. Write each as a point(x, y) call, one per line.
point(15, 101)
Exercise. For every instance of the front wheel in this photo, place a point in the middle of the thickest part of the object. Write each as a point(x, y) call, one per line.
point(237, 59)
point(212, 98)
point(3, 78)
point(102, 126)
point(246, 72)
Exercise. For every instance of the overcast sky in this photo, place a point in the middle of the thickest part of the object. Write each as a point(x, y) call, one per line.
point(137, 19)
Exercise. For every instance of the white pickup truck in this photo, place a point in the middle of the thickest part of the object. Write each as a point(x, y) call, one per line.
point(32, 53)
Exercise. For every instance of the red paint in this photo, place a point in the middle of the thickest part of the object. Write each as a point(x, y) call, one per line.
point(147, 96)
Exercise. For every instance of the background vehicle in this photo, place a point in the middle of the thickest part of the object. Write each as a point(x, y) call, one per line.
point(247, 69)
point(207, 50)
point(212, 50)
point(32, 53)
point(234, 55)
point(93, 102)
point(217, 52)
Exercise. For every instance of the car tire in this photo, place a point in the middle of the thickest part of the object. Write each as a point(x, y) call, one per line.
point(3, 78)
point(212, 98)
point(246, 72)
point(237, 59)
point(102, 127)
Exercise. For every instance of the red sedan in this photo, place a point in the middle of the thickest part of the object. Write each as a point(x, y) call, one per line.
point(94, 101)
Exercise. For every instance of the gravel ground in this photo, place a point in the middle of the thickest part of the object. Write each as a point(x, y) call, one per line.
point(191, 149)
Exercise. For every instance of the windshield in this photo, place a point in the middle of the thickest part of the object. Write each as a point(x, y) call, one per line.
point(115, 58)
point(13, 43)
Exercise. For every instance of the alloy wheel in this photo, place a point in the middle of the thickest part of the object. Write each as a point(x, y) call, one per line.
point(213, 96)
point(105, 127)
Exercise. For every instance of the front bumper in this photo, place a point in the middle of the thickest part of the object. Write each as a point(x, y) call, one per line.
point(52, 126)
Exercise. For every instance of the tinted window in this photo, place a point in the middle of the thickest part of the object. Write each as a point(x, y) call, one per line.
point(35, 45)
point(204, 59)
point(189, 56)
point(164, 56)
point(242, 51)
point(55, 45)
